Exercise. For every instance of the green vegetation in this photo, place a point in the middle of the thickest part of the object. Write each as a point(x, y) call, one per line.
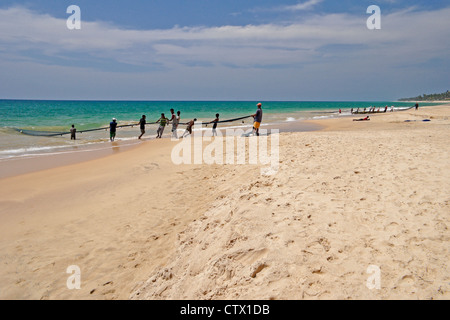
point(430, 97)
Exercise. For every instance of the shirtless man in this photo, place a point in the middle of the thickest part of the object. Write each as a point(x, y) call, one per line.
point(189, 128)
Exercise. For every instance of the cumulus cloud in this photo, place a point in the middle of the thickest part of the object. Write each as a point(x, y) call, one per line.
point(321, 44)
point(267, 44)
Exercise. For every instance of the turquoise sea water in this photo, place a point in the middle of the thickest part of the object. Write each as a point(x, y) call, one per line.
point(60, 115)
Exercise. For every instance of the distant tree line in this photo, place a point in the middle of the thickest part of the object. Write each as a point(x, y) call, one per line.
point(429, 97)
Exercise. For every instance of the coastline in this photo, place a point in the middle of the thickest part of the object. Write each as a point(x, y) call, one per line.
point(82, 153)
point(46, 161)
point(130, 219)
point(20, 115)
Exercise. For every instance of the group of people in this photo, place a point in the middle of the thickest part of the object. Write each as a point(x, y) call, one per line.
point(175, 121)
point(163, 122)
point(373, 110)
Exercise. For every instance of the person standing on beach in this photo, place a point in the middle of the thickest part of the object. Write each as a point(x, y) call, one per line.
point(417, 106)
point(73, 132)
point(112, 129)
point(215, 121)
point(189, 128)
point(257, 119)
point(162, 124)
point(175, 120)
point(142, 124)
point(175, 124)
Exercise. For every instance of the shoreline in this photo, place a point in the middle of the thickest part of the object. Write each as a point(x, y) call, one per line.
point(11, 167)
point(347, 196)
point(337, 125)
point(77, 154)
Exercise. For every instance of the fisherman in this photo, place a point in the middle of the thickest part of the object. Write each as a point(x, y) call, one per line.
point(215, 121)
point(189, 128)
point(142, 124)
point(257, 119)
point(162, 124)
point(73, 132)
point(175, 122)
point(112, 129)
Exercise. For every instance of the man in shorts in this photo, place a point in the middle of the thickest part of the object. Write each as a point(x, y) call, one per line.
point(162, 124)
point(189, 128)
point(142, 124)
point(257, 119)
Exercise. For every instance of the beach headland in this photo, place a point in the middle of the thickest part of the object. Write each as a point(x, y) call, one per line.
point(346, 200)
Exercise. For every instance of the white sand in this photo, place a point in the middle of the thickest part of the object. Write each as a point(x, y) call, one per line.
point(354, 195)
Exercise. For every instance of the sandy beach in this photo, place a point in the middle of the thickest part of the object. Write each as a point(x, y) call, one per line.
point(138, 226)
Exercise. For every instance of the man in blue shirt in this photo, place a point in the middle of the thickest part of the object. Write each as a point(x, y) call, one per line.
point(112, 129)
point(257, 119)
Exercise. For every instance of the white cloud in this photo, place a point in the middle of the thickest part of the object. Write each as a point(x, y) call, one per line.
point(302, 5)
point(321, 44)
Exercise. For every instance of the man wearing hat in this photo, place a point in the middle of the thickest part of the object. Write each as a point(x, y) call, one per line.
point(112, 129)
point(257, 119)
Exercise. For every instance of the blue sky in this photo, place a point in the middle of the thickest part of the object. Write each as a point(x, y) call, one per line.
point(223, 50)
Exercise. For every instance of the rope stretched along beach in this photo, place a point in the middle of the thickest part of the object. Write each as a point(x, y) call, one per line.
point(231, 120)
point(55, 134)
point(222, 121)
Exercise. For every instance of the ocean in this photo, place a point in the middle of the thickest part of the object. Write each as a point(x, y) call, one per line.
point(58, 116)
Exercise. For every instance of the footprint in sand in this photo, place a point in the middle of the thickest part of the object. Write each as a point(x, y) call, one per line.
point(148, 167)
point(407, 280)
point(258, 268)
